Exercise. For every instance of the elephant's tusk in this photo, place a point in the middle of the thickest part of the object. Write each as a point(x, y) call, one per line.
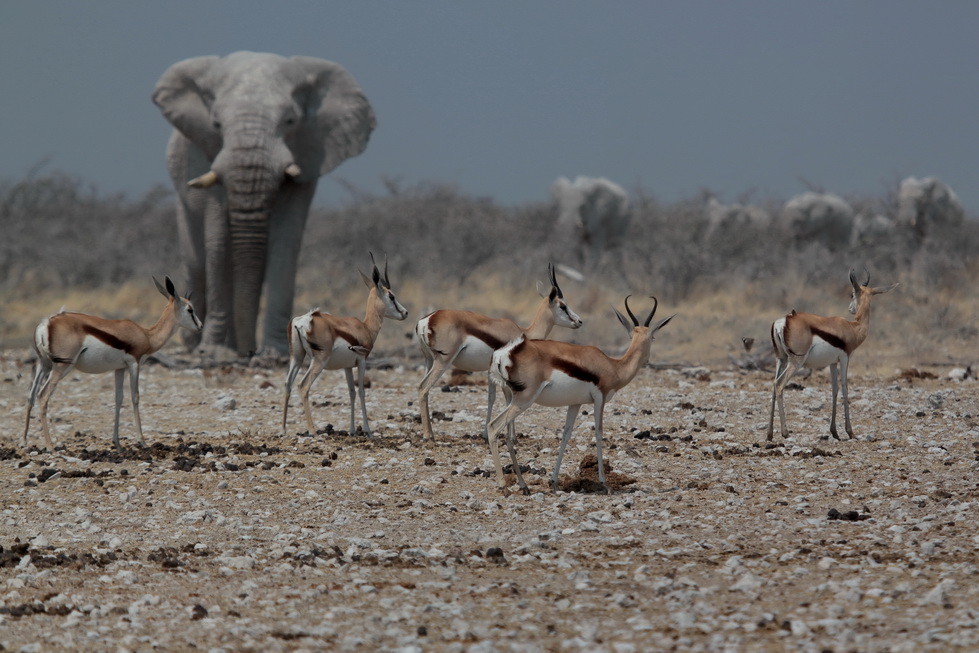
point(206, 180)
point(293, 171)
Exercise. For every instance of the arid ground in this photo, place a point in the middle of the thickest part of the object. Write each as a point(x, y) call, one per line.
point(223, 534)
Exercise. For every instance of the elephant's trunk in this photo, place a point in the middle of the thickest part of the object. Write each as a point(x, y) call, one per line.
point(251, 178)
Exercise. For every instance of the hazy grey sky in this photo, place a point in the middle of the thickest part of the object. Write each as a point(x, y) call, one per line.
point(500, 97)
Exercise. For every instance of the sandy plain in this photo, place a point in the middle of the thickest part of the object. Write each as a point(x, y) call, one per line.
point(224, 535)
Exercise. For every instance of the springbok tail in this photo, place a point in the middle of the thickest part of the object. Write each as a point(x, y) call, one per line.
point(502, 360)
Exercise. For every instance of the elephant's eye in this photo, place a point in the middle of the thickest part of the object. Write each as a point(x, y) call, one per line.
point(216, 124)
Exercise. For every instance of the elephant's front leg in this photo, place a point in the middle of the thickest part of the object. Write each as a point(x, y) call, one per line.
point(219, 323)
point(286, 226)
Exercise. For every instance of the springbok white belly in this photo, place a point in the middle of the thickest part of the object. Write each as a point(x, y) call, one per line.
point(564, 390)
point(475, 356)
point(99, 357)
point(822, 354)
point(342, 356)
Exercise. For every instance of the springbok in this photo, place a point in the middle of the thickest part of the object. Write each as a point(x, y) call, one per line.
point(335, 343)
point(67, 341)
point(467, 340)
point(813, 341)
point(551, 373)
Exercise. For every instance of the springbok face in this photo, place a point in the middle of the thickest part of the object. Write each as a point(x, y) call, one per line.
point(858, 289)
point(186, 317)
point(392, 307)
point(563, 315)
point(183, 309)
point(644, 330)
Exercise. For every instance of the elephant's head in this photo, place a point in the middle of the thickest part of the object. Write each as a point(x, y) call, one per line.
point(262, 120)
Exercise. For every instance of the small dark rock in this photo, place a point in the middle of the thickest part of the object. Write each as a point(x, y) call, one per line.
point(495, 554)
point(46, 473)
point(850, 515)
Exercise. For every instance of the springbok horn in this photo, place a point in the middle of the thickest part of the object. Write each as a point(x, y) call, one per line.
point(206, 180)
point(293, 171)
point(652, 312)
point(628, 310)
point(867, 282)
point(553, 279)
point(387, 282)
point(376, 274)
point(853, 280)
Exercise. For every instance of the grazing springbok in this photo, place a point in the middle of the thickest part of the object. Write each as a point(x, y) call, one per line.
point(551, 373)
point(67, 341)
point(467, 340)
point(813, 341)
point(336, 343)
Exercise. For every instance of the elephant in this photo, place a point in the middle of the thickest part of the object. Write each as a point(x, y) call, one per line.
point(594, 211)
point(926, 206)
point(253, 132)
point(819, 217)
point(730, 224)
point(873, 231)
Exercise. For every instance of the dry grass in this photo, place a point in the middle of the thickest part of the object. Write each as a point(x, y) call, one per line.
point(448, 250)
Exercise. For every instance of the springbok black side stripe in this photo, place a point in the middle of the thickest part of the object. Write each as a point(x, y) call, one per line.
point(108, 338)
point(491, 341)
point(576, 371)
point(831, 339)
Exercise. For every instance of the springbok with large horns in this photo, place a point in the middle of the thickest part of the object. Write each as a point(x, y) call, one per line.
point(336, 343)
point(466, 341)
point(813, 341)
point(551, 373)
point(67, 341)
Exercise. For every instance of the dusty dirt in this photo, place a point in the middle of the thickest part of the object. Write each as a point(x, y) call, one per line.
point(224, 535)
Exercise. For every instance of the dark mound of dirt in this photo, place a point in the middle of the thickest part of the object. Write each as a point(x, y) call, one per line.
point(586, 481)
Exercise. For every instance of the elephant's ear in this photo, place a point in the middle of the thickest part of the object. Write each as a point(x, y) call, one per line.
point(183, 95)
point(341, 117)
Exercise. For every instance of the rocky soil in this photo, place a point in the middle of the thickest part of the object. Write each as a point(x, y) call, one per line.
point(225, 535)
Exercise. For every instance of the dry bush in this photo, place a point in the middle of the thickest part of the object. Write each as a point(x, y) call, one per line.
point(449, 249)
point(61, 233)
point(431, 233)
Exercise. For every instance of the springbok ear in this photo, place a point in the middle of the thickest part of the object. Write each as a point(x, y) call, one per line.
point(367, 281)
point(160, 287)
point(170, 289)
point(543, 290)
point(622, 320)
point(662, 323)
point(881, 291)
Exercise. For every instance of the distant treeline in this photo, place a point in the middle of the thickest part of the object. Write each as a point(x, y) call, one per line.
point(59, 231)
